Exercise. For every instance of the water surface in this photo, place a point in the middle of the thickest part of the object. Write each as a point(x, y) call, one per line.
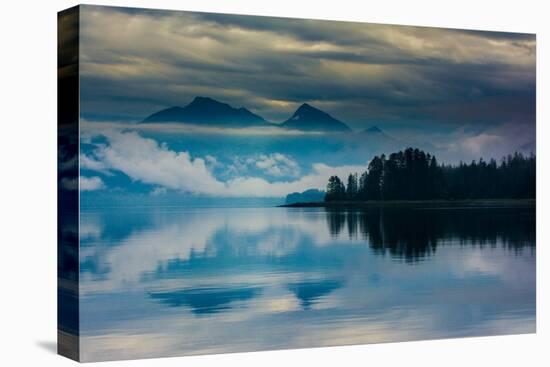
point(179, 281)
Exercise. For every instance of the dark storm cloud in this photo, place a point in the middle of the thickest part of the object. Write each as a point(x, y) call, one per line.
point(136, 62)
point(343, 33)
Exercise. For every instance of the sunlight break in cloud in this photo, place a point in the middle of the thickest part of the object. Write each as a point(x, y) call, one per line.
point(145, 160)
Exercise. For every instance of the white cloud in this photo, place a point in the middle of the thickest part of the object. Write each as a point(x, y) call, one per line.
point(239, 166)
point(147, 161)
point(91, 183)
point(212, 161)
point(277, 165)
point(90, 163)
point(317, 179)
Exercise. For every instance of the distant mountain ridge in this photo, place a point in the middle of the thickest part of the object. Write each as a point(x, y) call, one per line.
point(373, 130)
point(209, 112)
point(378, 139)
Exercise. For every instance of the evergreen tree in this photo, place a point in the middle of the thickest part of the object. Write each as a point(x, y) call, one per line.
point(335, 189)
point(414, 175)
point(362, 186)
point(374, 179)
point(351, 190)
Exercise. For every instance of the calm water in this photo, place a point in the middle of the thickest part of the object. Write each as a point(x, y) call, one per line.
point(177, 281)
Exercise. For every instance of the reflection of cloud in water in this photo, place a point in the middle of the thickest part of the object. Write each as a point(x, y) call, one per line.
point(189, 236)
point(277, 278)
point(89, 230)
point(145, 250)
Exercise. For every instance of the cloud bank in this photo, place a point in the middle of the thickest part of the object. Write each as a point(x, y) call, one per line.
point(145, 160)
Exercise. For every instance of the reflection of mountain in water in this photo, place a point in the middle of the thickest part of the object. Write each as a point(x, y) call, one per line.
point(411, 234)
point(310, 292)
point(206, 300)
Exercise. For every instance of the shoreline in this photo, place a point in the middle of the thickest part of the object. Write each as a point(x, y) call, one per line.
point(474, 203)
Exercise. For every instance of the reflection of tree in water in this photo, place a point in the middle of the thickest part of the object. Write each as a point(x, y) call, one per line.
point(352, 220)
point(336, 219)
point(412, 234)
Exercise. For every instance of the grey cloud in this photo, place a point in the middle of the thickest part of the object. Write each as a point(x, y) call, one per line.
point(136, 62)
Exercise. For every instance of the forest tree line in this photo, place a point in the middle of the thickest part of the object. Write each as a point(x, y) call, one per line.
point(415, 175)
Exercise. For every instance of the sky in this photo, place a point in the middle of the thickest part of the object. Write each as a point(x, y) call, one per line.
point(460, 94)
point(136, 62)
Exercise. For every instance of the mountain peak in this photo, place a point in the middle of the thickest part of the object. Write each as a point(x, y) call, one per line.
point(309, 118)
point(201, 100)
point(309, 109)
point(305, 107)
point(378, 139)
point(210, 112)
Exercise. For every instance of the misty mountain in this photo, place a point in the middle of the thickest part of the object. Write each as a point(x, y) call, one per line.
point(308, 196)
point(308, 118)
point(375, 135)
point(373, 130)
point(208, 111)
